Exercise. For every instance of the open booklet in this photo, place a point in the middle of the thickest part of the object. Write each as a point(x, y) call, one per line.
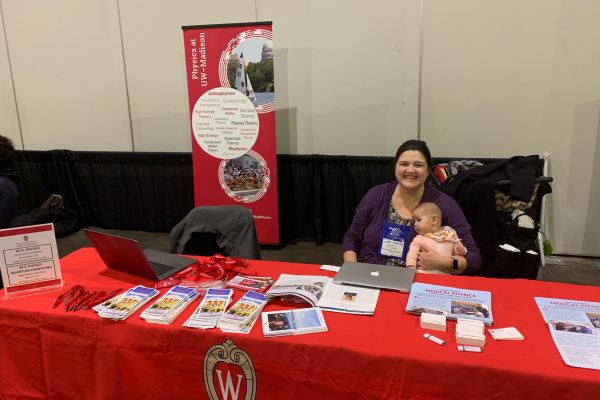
point(575, 329)
point(452, 302)
point(320, 291)
point(293, 322)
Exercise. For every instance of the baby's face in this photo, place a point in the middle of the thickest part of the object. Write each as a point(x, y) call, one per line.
point(423, 222)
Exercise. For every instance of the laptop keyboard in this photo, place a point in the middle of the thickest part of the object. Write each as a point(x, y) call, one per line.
point(160, 268)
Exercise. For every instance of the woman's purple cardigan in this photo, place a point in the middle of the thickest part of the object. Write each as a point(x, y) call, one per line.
point(363, 235)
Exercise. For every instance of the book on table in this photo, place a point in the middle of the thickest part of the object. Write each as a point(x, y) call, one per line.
point(322, 292)
point(452, 302)
point(293, 322)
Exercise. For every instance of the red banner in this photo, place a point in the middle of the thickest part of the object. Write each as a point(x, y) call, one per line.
point(232, 107)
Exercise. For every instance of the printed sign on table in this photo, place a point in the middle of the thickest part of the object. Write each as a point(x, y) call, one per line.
point(231, 94)
point(29, 260)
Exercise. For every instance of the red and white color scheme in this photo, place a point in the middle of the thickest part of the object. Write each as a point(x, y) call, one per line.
point(232, 114)
point(29, 260)
point(229, 373)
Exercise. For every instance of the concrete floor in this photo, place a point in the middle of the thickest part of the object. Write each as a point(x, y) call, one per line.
point(576, 270)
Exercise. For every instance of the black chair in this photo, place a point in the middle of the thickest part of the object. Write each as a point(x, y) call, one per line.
point(206, 230)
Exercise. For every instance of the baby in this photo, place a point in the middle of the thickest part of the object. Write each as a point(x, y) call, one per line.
point(427, 218)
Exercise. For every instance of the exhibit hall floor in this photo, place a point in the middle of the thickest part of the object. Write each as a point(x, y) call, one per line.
point(566, 269)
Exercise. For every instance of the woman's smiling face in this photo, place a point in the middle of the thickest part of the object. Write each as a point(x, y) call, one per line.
point(411, 170)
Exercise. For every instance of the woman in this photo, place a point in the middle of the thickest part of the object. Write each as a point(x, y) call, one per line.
point(381, 231)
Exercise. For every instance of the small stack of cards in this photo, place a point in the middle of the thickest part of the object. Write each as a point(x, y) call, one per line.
point(248, 282)
point(470, 332)
point(170, 305)
point(241, 316)
point(211, 308)
point(433, 321)
point(122, 306)
point(511, 333)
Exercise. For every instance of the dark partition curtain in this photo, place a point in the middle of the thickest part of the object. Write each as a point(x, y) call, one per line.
point(153, 191)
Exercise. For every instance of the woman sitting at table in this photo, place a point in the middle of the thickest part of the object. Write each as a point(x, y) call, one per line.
point(381, 231)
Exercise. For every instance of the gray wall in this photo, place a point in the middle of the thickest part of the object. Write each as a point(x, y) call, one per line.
point(496, 79)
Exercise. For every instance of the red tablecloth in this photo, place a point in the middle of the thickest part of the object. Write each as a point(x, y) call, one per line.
point(46, 353)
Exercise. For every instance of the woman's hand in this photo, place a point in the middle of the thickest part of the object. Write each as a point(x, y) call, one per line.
point(350, 256)
point(430, 260)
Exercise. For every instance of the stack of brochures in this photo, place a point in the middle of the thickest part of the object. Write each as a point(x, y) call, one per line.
point(249, 282)
point(240, 318)
point(122, 306)
point(293, 322)
point(452, 302)
point(170, 305)
point(322, 292)
point(211, 308)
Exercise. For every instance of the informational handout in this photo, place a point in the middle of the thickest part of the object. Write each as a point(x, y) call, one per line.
point(29, 261)
point(575, 329)
point(452, 302)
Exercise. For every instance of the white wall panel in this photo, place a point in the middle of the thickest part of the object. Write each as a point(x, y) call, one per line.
point(517, 78)
point(154, 58)
point(68, 72)
point(346, 74)
point(9, 121)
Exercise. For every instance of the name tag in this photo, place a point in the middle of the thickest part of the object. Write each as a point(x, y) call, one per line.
point(394, 239)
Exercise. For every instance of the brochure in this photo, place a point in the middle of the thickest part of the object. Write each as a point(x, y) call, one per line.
point(320, 291)
point(170, 305)
point(249, 282)
point(122, 306)
point(211, 308)
point(575, 329)
point(293, 322)
point(241, 316)
point(452, 302)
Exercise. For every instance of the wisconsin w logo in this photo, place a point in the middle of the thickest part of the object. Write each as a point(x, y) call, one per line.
point(229, 373)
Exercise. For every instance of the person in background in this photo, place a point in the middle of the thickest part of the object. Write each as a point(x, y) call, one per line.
point(427, 222)
point(9, 191)
point(381, 231)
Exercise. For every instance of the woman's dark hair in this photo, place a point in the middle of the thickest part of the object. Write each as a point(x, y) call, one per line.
point(8, 154)
point(416, 145)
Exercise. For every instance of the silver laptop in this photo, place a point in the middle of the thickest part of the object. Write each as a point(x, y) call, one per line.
point(126, 255)
point(376, 276)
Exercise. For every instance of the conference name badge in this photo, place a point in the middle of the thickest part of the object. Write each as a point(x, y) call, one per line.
point(393, 240)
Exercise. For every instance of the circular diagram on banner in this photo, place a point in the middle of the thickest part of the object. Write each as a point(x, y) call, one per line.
point(225, 123)
point(245, 178)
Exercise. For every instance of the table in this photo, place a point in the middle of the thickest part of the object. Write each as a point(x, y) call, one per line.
point(46, 353)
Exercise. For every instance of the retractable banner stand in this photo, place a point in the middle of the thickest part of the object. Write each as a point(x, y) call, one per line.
point(232, 106)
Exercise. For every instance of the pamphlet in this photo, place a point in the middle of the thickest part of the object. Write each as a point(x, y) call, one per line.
point(122, 306)
point(170, 305)
point(452, 302)
point(241, 316)
point(575, 329)
point(322, 292)
point(293, 322)
point(249, 282)
point(211, 308)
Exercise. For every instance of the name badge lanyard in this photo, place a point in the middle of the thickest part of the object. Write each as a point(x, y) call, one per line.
point(394, 240)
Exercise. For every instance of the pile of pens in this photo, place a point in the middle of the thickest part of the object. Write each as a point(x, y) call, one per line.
point(79, 298)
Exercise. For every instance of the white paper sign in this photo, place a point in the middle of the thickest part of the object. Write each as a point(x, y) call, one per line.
point(29, 259)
